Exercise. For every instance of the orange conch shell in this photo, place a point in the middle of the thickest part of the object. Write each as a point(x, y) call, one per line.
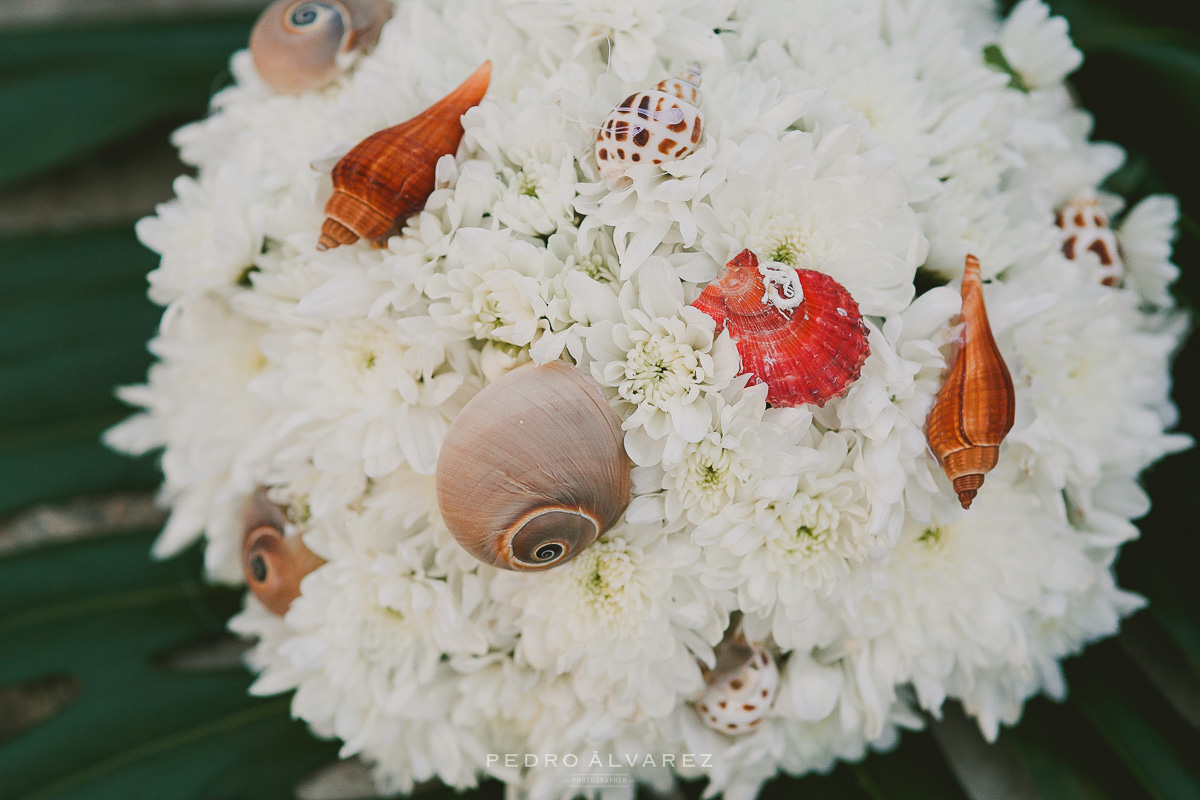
point(274, 563)
point(389, 175)
point(1086, 235)
point(797, 330)
point(974, 409)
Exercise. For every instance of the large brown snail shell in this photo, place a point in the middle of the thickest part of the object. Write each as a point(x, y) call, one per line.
point(975, 408)
point(298, 45)
point(388, 176)
point(533, 469)
point(273, 562)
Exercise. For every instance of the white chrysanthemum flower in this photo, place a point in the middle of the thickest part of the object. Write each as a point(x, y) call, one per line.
point(532, 146)
point(1090, 344)
point(744, 447)
point(491, 289)
point(660, 358)
point(1036, 45)
point(824, 205)
point(207, 237)
point(197, 408)
point(357, 397)
point(633, 33)
point(1145, 235)
point(368, 635)
point(978, 647)
point(622, 618)
point(817, 720)
point(789, 548)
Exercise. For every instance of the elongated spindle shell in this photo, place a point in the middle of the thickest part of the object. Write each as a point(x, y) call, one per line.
point(975, 408)
point(389, 175)
point(533, 469)
point(299, 45)
point(273, 562)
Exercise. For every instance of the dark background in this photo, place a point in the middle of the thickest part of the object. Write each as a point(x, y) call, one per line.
point(116, 678)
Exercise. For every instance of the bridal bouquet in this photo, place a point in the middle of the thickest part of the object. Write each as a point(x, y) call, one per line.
point(711, 387)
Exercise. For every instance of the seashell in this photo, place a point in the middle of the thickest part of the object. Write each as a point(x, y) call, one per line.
point(298, 45)
point(797, 331)
point(741, 687)
point(533, 469)
point(974, 409)
point(650, 127)
point(273, 562)
point(389, 175)
point(1085, 230)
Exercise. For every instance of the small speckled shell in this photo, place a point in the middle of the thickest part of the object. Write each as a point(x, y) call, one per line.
point(1086, 236)
point(976, 406)
point(274, 563)
point(651, 127)
point(298, 45)
point(737, 701)
point(533, 469)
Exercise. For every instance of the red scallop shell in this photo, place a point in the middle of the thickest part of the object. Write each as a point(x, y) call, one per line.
point(809, 354)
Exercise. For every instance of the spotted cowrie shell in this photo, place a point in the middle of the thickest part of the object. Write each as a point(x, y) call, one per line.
point(651, 127)
point(1087, 237)
point(738, 700)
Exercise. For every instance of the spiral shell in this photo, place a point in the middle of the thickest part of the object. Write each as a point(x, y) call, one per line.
point(533, 469)
point(797, 331)
point(741, 688)
point(653, 126)
point(389, 175)
point(298, 45)
point(274, 562)
point(1086, 236)
point(975, 408)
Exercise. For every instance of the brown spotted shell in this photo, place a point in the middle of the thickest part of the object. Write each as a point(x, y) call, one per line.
point(1086, 236)
point(741, 688)
point(975, 408)
point(274, 563)
point(651, 127)
point(533, 469)
point(298, 45)
point(389, 175)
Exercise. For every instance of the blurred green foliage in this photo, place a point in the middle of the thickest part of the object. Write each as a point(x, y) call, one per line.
point(73, 323)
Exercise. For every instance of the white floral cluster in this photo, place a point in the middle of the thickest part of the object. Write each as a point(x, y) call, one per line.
point(877, 142)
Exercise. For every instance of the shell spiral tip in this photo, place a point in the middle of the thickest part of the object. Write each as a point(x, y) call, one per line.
point(333, 234)
point(966, 487)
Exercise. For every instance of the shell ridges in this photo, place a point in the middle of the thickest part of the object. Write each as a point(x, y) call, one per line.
point(389, 175)
point(976, 406)
point(805, 353)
